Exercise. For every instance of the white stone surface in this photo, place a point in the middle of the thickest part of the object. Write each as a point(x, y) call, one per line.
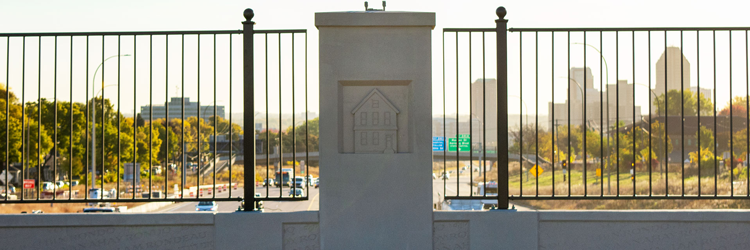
point(375, 200)
point(252, 230)
point(494, 229)
point(659, 229)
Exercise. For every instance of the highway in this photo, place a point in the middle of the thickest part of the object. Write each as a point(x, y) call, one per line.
point(456, 183)
point(451, 187)
point(270, 206)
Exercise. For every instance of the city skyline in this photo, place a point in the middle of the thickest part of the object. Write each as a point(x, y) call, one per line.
point(27, 18)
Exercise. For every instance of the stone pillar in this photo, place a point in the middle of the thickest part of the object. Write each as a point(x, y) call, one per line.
point(375, 129)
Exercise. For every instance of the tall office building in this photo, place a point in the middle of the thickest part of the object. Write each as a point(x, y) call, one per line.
point(175, 110)
point(672, 71)
point(578, 83)
point(596, 110)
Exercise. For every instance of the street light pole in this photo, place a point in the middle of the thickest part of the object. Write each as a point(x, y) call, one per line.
point(93, 122)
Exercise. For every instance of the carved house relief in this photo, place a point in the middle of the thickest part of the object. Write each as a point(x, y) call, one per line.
point(375, 125)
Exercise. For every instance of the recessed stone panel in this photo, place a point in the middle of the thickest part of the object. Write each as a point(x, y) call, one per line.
point(375, 117)
point(301, 236)
point(449, 235)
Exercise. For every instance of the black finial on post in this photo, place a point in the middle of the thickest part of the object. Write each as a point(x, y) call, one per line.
point(365, 5)
point(383, 5)
point(501, 12)
point(249, 14)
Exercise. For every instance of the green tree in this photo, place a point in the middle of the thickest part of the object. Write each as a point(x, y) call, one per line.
point(299, 131)
point(192, 136)
point(13, 134)
point(222, 127)
point(13, 131)
point(172, 146)
point(661, 143)
point(39, 143)
point(270, 142)
point(739, 143)
point(147, 153)
point(690, 102)
point(706, 137)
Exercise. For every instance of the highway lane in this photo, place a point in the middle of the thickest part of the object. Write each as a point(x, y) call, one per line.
point(454, 185)
point(270, 206)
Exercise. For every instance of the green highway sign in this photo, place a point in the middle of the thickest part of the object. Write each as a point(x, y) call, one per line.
point(464, 143)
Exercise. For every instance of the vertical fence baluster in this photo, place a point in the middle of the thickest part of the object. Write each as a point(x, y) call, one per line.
point(553, 126)
point(698, 81)
point(54, 141)
point(39, 121)
point(682, 114)
point(151, 112)
point(119, 153)
point(231, 128)
point(520, 111)
point(166, 166)
point(536, 111)
point(617, 108)
point(268, 134)
point(7, 116)
point(216, 123)
point(650, 123)
point(731, 122)
point(635, 135)
point(716, 159)
point(183, 175)
point(568, 157)
point(583, 93)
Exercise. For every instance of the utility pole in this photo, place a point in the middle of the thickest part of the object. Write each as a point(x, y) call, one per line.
point(557, 139)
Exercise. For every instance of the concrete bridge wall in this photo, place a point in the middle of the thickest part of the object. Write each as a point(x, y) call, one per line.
point(701, 229)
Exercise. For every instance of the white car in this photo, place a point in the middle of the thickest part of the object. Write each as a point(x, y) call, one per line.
point(207, 206)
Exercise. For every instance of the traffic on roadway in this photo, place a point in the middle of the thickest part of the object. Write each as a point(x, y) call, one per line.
point(231, 206)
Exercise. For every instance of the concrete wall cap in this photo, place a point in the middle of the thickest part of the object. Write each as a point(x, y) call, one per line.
point(375, 19)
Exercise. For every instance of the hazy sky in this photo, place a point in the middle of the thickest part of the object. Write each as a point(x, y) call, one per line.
point(59, 16)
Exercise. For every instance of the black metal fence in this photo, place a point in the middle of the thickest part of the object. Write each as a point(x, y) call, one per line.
point(51, 145)
point(684, 145)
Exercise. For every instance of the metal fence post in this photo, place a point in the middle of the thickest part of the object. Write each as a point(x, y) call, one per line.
point(249, 109)
point(502, 108)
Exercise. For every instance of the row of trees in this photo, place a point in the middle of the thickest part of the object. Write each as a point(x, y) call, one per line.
point(616, 148)
point(134, 140)
point(287, 138)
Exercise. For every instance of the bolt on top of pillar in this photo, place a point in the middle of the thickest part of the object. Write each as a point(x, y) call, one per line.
point(372, 9)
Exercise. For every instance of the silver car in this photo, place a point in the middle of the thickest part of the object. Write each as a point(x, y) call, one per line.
point(207, 206)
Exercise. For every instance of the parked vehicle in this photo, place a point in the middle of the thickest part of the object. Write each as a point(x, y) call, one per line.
point(48, 185)
point(269, 183)
point(10, 196)
point(299, 181)
point(99, 210)
point(317, 183)
point(207, 206)
point(96, 193)
point(296, 192)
